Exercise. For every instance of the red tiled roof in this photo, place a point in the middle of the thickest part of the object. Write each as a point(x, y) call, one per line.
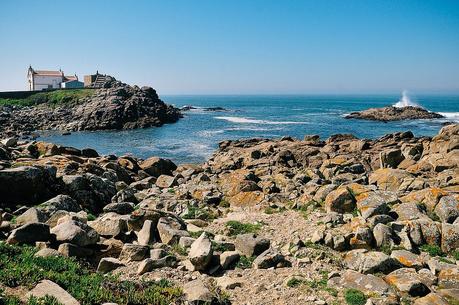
point(47, 73)
point(70, 77)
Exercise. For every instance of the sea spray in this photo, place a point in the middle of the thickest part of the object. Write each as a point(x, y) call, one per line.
point(405, 101)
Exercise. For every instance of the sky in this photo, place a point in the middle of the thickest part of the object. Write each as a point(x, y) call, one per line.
point(238, 46)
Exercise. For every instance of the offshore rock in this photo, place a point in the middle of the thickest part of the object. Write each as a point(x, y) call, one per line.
point(394, 114)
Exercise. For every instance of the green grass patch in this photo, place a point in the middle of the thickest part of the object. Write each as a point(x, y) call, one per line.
point(178, 249)
point(199, 213)
point(294, 282)
point(53, 98)
point(19, 267)
point(236, 227)
point(355, 297)
point(433, 250)
point(245, 262)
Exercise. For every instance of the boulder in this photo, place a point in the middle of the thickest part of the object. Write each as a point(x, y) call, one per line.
point(71, 250)
point(76, 233)
point(197, 293)
point(251, 244)
point(110, 224)
point(49, 288)
point(27, 185)
point(132, 252)
point(367, 262)
point(270, 258)
point(383, 235)
point(29, 234)
point(149, 264)
point(108, 264)
point(228, 258)
point(447, 209)
point(340, 200)
point(121, 208)
point(448, 277)
point(201, 252)
point(391, 158)
point(408, 259)
point(170, 230)
point(30, 216)
point(62, 203)
point(366, 283)
point(156, 166)
point(388, 179)
point(449, 237)
point(372, 205)
point(166, 181)
point(406, 280)
point(147, 235)
point(47, 252)
point(431, 299)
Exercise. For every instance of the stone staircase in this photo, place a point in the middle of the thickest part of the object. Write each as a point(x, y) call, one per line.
point(99, 81)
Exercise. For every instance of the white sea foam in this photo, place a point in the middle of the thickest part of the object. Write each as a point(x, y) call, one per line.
point(450, 115)
point(405, 101)
point(243, 120)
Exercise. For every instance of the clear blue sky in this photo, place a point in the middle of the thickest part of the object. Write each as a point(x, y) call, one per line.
point(238, 47)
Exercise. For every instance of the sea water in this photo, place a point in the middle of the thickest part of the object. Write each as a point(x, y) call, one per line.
point(194, 137)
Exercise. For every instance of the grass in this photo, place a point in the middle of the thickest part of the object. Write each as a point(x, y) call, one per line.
point(13, 300)
point(355, 297)
point(455, 254)
point(245, 262)
point(236, 227)
point(19, 268)
point(53, 98)
point(198, 213)
point(294, 282)
point(433, 250)
point(177, 249)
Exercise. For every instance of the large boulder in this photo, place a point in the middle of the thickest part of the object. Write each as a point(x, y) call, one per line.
point(449, 237)
point(49, 288)
point(251, 244)
point(29, 234)
point(370, 261)
point(197, 293)
point(170, 230)
point(367, 283)
point(340, 200)
point(406, 280)
point(76, 233)
point(62, 203)
point(201, 252)
point(447, 209)
point(156, 167)
point(27, 185)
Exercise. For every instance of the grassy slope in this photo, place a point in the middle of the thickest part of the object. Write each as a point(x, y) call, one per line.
point(20, 268)
point(51, 97)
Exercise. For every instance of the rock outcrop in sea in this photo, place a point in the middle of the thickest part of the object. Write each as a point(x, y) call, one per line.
point(392, 113)
point(263, 220)
point(115, 106)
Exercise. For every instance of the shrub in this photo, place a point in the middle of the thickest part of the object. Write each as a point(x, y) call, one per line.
point(355, 297)
point(293, 282)
point(19, 267)
point(245, 262)
point(433, 250)
point(236, 227)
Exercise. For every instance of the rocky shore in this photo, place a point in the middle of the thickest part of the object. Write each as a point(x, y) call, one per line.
point(115, 106)
point(392, 113)
point(285, 221)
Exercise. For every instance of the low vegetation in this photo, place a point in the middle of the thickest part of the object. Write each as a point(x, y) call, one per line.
point(432, 250)
point(20, 268)
point(355, 297)
point(53, 98)
point(235, 227)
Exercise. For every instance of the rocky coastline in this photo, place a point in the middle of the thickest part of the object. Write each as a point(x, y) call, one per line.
point(115, 106)
point(263, 221)
point(391, 113)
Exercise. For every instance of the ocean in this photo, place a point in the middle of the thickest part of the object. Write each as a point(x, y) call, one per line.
point(194, 137)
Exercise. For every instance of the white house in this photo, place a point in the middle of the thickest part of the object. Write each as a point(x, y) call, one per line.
point(40, 79)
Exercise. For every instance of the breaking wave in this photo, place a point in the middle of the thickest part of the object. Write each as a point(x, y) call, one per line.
point(243, 120)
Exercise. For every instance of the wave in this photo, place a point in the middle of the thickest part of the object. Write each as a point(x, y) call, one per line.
point(450, 115)
point(243, 120)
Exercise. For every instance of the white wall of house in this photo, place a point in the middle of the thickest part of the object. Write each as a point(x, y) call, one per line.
point(45, 82)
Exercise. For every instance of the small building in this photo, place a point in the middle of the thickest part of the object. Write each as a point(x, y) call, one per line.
point(45, 79)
